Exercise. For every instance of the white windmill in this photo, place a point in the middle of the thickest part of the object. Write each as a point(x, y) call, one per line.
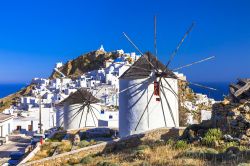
point(80, 109)
point(148, 94)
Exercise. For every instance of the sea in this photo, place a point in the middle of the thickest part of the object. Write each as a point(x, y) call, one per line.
point(7, 89)
point(222, 89)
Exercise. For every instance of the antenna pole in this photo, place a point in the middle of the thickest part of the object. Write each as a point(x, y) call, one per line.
point(155, 36)
point(40, 114)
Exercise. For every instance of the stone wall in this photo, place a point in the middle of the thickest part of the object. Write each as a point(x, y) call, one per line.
point(131, 141)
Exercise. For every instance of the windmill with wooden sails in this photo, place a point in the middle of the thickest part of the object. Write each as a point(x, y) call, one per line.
point(148, 92)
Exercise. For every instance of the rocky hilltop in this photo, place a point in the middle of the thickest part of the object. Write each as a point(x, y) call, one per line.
point(90, 61)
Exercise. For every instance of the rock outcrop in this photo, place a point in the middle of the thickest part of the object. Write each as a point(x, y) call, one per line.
point(231, 116)
point(90, 61)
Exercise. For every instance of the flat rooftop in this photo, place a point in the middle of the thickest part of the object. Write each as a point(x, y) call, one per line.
point(5, 117)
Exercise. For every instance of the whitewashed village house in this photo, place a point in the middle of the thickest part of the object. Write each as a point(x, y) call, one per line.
point(6, 124)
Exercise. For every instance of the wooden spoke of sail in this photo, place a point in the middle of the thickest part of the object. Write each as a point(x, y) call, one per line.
point(77, 112)
point(86, 98)
point(193, 63)
point(199, 85)
point(176, 96)
point(82, 95)
point(95, 108)
point(169, 107)
point(131, 42)
point(74, 115)
point(132, 86)
point(81, 118)
point(91, 111)
point(203, 86)
point(173, 91)
point(71, 110)
point(179, 44)
point(144, 111)
point(162, 108)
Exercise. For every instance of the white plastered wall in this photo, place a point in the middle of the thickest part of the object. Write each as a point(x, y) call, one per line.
point(134, 101)
point(72, 119)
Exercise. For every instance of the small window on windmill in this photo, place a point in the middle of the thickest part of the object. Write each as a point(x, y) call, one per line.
point(102, 111)
point(156, 88)
point(110, 117)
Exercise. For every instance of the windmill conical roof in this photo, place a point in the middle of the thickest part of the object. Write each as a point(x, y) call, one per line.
point(79, 97)
point(143, 68)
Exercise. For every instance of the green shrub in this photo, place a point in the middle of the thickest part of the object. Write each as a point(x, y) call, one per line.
point(52, 140)
point(87, 160)
point(170, 142)
point(243, 148)
point(230, 144)
point(83, 144)
point(92, 142)
point(214, 133)
point(59, 136)
point(209, 141)
point(212, 137)
point(181, 144)
point(210, 151)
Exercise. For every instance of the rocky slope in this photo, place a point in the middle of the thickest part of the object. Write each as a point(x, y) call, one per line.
point(12, 99)
point(85, 63)
point(231, 118)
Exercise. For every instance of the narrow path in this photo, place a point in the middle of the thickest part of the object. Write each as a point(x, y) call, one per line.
point(16, 144)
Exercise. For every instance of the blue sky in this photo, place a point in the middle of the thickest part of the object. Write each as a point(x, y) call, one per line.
point(34, 35)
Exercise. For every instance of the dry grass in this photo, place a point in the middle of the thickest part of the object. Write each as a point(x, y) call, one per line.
point(148, 150)
point(65, 146)
point(158, 153)
point(47, 149)
point(158, 156)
